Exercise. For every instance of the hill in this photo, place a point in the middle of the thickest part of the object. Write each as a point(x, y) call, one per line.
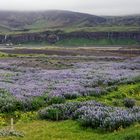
point(48, 19)
point(57, 19)
point(124, 20)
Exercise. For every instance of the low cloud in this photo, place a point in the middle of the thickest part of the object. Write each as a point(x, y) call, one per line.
point(98, 7)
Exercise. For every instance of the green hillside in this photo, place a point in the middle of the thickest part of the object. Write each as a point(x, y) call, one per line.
point(65, 20)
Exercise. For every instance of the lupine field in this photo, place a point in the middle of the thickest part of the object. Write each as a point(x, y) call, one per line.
point(98, 95)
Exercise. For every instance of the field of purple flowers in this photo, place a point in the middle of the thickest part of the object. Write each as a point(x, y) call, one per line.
point(86, 78)
point(27, 88)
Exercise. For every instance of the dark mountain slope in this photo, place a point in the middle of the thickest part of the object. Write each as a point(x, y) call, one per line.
point(52, 19)
point(48, 19)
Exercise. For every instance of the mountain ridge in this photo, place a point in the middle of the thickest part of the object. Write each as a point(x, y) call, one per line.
point(51, 19)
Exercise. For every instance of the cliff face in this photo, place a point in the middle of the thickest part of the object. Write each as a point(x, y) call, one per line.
point(102, 35)
point(2, 38)
point(53, 37)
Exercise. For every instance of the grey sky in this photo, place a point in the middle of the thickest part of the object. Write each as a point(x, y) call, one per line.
point(97, 7)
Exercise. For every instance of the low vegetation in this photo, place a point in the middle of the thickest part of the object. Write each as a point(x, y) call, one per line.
point(90, 99)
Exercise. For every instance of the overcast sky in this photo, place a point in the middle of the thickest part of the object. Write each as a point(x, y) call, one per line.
point(98, 7)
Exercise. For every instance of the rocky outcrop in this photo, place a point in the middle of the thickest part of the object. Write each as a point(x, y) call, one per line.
point(101, 35)
point(2, 38)
point(53, 37)
point(28, 37)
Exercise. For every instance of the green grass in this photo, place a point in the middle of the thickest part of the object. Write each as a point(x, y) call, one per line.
point(43, 25)
point(89, 42)
point(124, 91)
point(4, 55)
point(70, 130)
point(103, 29)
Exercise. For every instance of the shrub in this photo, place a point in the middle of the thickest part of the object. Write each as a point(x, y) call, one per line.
point(30, 104)
point(134, 90)
point(11, 133)
point(63, 111)
point(117, 119)
point(117, 102)
point(25, 117)
point(129, 102)
point(107, 118)
point(97, 92)
point(112, 88)
point(56, 100)
point(8, 103)
point(58, 111)
point(93, 114)
point(53, 113)
point(73, 95)
point(2, 121)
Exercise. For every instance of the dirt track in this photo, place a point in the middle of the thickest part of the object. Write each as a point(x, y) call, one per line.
point(75, 51)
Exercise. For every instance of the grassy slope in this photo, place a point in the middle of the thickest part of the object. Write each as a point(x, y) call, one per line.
point(40, 27)
point(103, 28)
point(65, 20)
point(70, 130)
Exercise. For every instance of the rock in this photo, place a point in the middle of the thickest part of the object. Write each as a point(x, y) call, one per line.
point(54, 36)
